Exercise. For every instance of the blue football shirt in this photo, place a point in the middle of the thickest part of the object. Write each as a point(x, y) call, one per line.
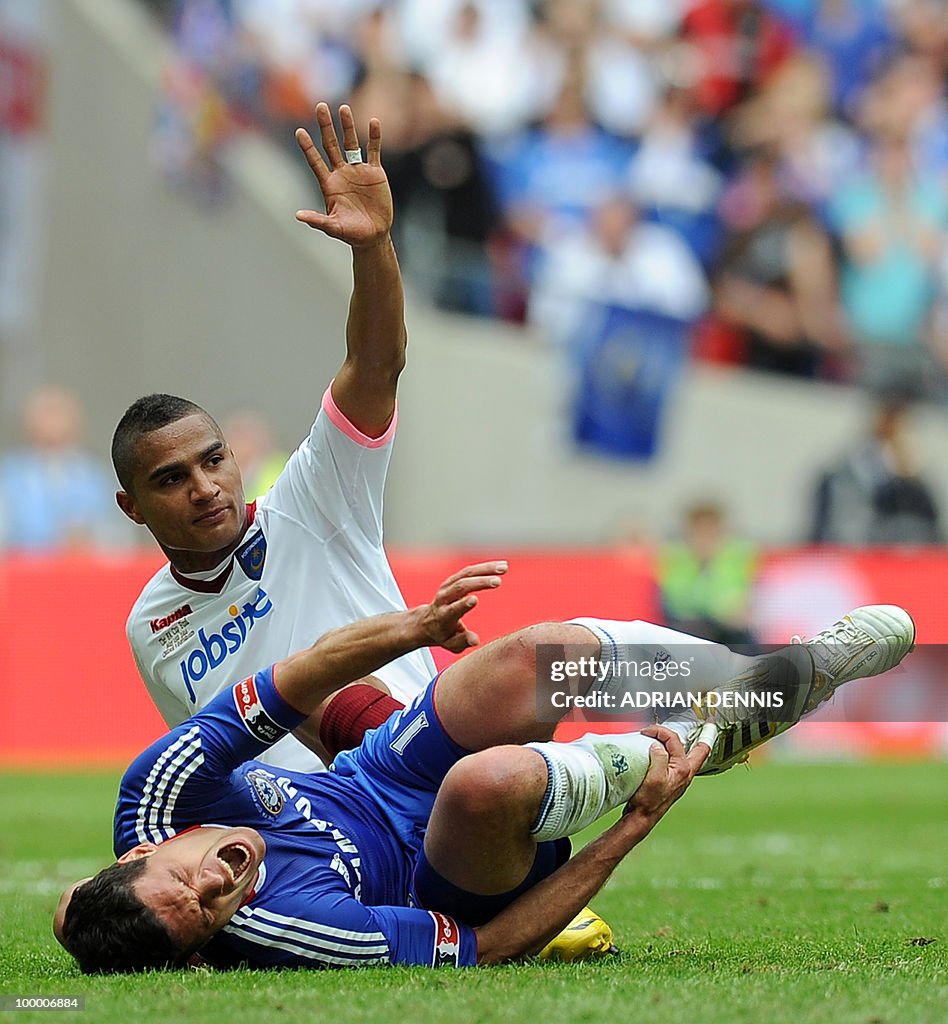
point(334, 887)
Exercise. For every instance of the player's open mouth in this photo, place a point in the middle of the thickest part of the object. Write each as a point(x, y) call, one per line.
point(237, 858)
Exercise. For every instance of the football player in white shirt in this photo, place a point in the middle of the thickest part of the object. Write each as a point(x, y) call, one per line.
point(247, 583)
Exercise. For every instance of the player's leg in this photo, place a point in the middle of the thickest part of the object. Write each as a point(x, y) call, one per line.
point(501, 812)
point(489, 699)
point(490, 696)
point(479, 837)
point(483, 846)
point(342, 720)
point(500, 823)
point(348, 715)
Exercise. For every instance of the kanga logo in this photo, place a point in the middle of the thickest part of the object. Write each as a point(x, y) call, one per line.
point(266, 791)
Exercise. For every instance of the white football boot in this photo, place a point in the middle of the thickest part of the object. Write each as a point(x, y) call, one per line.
point(732, 732)
point(866, 642)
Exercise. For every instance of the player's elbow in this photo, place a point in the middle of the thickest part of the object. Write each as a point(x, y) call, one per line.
point(497, 946)
point(488, 950)
point(378, 369)
point(395, 360)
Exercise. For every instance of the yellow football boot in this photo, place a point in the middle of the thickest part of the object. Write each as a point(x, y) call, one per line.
point(587, 936)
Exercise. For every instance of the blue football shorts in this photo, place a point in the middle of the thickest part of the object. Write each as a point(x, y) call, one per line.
point(401, 766)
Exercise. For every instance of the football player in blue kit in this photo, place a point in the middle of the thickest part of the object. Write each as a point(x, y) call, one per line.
point(441, 839)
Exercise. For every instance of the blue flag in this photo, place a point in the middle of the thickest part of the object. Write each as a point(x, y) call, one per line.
point(630, 362)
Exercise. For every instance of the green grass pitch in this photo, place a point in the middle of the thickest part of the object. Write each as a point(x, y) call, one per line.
point(788, 893)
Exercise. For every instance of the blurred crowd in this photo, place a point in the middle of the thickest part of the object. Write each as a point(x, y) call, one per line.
point(772, 172)
point(56, 495)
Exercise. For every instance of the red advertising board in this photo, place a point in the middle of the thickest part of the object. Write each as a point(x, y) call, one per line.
point(71, 696)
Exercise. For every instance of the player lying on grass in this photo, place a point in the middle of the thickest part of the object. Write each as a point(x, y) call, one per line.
point(442, 838)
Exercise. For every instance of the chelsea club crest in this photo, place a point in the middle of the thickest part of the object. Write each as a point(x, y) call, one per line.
point(266, 791)
point(252, 555)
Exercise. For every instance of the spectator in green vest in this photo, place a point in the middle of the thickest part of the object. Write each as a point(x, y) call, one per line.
point(706, 578)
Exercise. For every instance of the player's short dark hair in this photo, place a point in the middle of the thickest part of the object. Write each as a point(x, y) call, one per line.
point(109, 930)
point(148, 413)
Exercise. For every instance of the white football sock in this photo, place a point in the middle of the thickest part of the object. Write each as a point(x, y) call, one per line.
point(588, 777)
point(640, 641)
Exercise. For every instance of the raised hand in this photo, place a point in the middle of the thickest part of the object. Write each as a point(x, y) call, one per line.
point(455, 598)
point(357, 197)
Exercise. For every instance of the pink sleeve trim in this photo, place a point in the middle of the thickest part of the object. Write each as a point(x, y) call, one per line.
point(338, 419)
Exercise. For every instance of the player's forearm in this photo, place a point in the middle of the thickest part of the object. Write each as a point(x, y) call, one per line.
point(305, 679)
point(533, 919)
point(375, 330)
point(376, 339)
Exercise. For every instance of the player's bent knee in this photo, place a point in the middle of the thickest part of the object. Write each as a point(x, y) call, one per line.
point(519, 649)
point(496, 784)
point(550, 633)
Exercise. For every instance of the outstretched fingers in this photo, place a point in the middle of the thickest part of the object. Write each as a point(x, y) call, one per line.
point(327, 134)
point(350, 137)
point(313, 157)
point(356, 194)
point(451, 592)
point(373, 150)
point(455, 598)
point(350, 140)
point(479, 569)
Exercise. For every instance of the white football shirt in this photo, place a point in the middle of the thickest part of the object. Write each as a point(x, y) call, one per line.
point(311, 560)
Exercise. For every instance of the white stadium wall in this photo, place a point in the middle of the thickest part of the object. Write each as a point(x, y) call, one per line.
point(146, 290)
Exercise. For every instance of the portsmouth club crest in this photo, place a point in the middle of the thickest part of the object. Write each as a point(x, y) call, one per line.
point(252, 555)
